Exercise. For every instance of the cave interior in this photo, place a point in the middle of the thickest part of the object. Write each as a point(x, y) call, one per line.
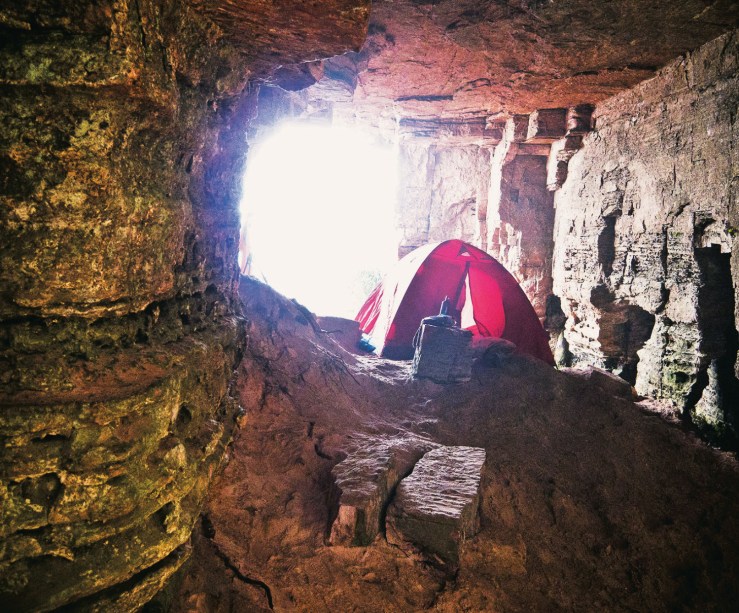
point(179, 436)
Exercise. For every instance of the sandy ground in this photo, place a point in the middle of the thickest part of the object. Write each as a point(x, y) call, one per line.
point(589, 502)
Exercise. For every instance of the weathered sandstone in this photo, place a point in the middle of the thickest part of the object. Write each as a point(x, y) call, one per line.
point(646, 243)
point(121, 158)
point(436, 506)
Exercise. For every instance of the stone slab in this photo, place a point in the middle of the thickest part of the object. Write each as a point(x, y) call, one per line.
point(436, 506)
point(443, 354)
point(365, 480)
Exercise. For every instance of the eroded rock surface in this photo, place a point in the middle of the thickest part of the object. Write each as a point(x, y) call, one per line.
point(443, 191)
point(365, 481)
point(436, 506)
point(646, 242)
point(121, 160)
point(118, 325)
point(587, 501)
point(450, 59)
point(605, 380)
point(520, 215)
point(277, 32)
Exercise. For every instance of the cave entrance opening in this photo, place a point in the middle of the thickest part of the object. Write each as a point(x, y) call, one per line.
point(319, 214)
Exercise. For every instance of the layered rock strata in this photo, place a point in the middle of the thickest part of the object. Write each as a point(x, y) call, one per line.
point(520, 215)
point(121, 159)
point(443, 181)
point(646, 263)
point(489, 182)
point(449, 59)
point(102, 483)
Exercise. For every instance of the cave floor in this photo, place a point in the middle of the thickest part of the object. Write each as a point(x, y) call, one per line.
point(588, 501)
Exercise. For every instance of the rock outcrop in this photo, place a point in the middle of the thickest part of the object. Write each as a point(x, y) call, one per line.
point(121, 159)
point(491, 184)
point(646, 254)
point(586, 500)
point(443, 190)
point(480, 58)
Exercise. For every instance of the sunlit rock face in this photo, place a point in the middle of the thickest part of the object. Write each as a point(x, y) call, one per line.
point(646, 248)
point(445, 58)
point(121, 157)
point(482, 159)
point(490, 184)
point(443, 191)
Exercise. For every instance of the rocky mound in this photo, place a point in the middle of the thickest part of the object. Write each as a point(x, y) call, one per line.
point(587, 501)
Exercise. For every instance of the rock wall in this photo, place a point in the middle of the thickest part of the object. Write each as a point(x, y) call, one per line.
point(443, 192)
point(490, 182)
point(520, 215)
point(121, 157)
point(646, 237)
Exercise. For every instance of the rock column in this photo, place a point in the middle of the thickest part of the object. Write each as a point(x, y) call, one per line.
point(121, 157)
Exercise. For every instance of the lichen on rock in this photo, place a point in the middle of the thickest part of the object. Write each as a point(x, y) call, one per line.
point(121, 160)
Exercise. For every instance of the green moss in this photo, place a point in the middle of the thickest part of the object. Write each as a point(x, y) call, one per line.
point(115, 311)
point(120, 461)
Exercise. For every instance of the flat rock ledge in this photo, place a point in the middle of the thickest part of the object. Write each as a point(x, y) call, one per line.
point(436, 506)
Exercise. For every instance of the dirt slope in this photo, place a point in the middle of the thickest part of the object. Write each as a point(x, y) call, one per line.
point(589, 502)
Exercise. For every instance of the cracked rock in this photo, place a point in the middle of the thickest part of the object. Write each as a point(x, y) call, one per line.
point(366, 480)
point(436, 506)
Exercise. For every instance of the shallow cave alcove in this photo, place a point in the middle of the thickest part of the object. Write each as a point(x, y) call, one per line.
point(179, 436)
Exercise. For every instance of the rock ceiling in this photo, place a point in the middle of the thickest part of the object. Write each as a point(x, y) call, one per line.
point(472, 58)
point(285, 31)
point(447, 57)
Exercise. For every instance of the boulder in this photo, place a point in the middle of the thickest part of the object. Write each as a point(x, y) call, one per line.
point(365, 480)
point(436, 507)
point(443, 354)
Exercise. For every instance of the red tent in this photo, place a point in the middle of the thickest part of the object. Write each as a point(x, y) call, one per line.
point(485, 298)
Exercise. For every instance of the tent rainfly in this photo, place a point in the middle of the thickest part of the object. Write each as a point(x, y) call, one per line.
point(485, 299)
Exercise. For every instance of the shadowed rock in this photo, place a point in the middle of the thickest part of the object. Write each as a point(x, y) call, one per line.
point(366, 480)
point(436, 506)
point(607, 381)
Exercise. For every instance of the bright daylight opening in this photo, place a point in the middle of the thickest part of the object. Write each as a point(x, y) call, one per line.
point(318, 215)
